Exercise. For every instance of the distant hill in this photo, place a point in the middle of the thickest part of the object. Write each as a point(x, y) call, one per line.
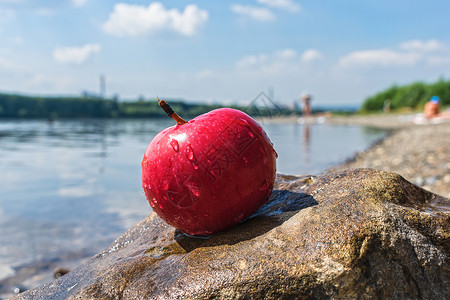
point(413, 95)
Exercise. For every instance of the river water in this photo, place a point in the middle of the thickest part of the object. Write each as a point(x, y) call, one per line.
point(69, 188)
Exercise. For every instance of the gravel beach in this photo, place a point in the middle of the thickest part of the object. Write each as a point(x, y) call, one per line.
point(420, 153)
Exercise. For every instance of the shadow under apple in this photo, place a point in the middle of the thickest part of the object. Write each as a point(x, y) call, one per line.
point(281, 206)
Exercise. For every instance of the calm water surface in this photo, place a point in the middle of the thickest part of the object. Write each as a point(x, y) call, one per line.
point(74, 186)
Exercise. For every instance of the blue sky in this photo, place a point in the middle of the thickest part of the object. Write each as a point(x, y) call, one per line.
point(227, 51)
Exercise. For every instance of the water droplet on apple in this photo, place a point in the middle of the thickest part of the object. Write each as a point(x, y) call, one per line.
point(245, 159)
point(195, 191)
point(189, 153)
point(250, 134)
point(242, 121)
point(169, 163)
point(153, 203)
point(175, 146)
point(275, 153)
point(195, 167)
point(264, 187)
point(238, 218)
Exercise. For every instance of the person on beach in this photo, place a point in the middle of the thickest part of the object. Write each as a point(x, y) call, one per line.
point(432, 108)
point(306, 109)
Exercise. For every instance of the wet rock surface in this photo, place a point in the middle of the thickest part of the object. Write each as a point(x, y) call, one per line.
point(357, 234)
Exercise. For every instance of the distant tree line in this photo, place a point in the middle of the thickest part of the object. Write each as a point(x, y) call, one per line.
point(413, 95)
point(20, 106)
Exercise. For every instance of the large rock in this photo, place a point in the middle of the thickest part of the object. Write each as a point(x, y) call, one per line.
point(358, 234)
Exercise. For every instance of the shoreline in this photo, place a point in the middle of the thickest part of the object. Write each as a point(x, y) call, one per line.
point(419, 153)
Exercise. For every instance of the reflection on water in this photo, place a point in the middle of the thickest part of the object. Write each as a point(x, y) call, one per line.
point(312, 148)
point(74, 186)
point(306, 142)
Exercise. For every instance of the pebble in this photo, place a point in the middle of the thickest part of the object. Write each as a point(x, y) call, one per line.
point(60, 271)
point(446, 178)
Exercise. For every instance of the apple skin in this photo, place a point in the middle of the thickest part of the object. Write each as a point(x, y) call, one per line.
point(211, 173)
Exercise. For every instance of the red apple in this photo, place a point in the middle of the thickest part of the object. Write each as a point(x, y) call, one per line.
point(210, 173)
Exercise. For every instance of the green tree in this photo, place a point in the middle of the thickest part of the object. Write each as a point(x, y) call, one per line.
point(413, 95)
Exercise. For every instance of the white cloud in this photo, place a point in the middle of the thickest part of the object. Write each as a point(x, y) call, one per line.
point(256, 13)
point(424, 46)
point(203, 74)
point(280, 59)
point(250, 61)
point(79, 3)
point(75, 55)
point(409, 53)
point(275, 63)
point(311, 55)
point(382, 57)
point(438, 60)
point(286, 53)
point(137, 20)
point(45, 12)
point(288, 5)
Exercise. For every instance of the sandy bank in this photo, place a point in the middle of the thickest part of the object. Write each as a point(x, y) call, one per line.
point(420, 153)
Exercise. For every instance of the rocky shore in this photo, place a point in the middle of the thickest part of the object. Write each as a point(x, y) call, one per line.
point(420, 153)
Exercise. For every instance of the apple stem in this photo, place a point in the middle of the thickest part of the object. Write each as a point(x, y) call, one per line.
point(169, 111)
